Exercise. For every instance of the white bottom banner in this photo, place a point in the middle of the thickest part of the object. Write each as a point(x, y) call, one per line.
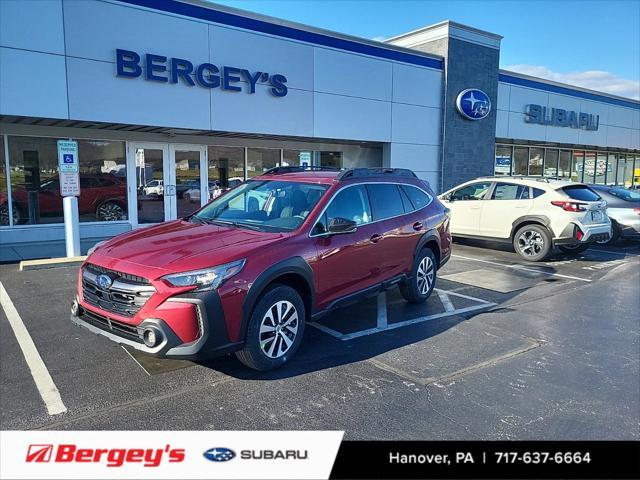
point(167, 454)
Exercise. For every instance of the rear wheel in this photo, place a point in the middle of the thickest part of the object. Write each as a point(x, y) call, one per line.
point(423, 278)
point(532, 242)
point(574, 249)
point(275, 329)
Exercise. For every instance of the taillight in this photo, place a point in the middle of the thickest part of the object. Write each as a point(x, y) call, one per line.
point(570, 206)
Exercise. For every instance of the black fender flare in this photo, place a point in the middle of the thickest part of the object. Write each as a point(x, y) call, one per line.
point(428, 236)
point(542, 219)
point(296, 265)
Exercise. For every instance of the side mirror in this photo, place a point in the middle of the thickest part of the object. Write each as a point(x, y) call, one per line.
point(340, 225)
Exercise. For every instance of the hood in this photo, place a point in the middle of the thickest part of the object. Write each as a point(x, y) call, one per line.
point(179, 246)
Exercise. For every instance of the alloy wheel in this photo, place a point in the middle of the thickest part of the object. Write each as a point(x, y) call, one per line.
point(278, 329)
point(110, 212)
point(425, 275)
point(530, 243)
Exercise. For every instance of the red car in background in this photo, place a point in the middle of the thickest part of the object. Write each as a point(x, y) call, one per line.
point(247, 271)
point(103, 195)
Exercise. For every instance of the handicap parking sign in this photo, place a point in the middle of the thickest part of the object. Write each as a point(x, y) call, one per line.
point(67, 158)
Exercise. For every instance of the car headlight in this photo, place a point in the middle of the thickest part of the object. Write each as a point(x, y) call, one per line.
point(93, 249)
point(205, 279)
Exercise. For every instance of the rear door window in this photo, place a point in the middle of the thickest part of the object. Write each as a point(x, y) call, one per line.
point(510, 191)
point(385, 200)
point(581, 192)
point(419, 199)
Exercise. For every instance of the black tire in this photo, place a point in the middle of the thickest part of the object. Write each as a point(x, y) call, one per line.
point(420, 285)
point(532, 242)
point(258, 352)
point(110, 211)
point(574, 249)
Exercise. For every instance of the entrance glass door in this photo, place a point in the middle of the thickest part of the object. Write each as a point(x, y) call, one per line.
point(188, 166)
point(151, 162)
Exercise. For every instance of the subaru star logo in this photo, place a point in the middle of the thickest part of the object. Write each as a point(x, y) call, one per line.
point(473, 104)
point(219, 454)
point(104, 281)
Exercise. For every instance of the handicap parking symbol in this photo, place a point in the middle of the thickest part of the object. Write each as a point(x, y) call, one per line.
point(67, 158)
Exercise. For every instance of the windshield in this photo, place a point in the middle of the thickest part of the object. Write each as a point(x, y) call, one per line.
point(626, 195)
point(267, 205)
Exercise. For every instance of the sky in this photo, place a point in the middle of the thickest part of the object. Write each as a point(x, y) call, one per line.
point(589, 43)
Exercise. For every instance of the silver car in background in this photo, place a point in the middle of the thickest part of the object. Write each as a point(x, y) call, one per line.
point(623, 208)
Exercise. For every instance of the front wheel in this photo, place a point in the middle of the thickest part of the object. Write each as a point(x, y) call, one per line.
point(423, 278)
point(532, 242)
point(275, 329)
point(574, 249)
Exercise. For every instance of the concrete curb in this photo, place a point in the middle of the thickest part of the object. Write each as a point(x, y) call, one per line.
point(51, 263)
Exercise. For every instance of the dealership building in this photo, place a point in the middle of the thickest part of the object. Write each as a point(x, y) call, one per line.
point(170, 101)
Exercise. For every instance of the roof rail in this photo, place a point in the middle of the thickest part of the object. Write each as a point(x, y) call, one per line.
point(374, 172)
point(524, 177)
point(299, 168)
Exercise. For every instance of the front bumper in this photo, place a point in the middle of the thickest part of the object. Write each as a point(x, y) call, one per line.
point(591, 233)
point(213, 340)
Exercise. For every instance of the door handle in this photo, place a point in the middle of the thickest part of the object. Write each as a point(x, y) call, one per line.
point(375, 238)
point(417, 226)
point(477, 207)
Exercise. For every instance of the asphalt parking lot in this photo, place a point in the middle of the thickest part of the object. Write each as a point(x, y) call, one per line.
point(503, 349)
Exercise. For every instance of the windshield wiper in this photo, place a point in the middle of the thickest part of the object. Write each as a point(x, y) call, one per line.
point(197, 219)
point(237, 224)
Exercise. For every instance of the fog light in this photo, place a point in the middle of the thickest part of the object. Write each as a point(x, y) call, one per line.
point(151, 337)
point(75, 308)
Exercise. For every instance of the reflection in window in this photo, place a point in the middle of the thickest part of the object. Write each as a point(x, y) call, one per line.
point(259, 160)
point(226, 169)
point(331, 159)
point(503, 160)
point(536, 161)
point(188, 195)
point(589, 167)
point(4, 198)
point(34, 180)
point(600, 169)
point(577, 166)
point(551, 163)
point(564, 164)
point(520, 160)
point(294, 158)
point(612, 169)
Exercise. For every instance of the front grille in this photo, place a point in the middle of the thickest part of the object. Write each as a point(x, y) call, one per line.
point(97, 269)
point(113, 326)
point(126, 295)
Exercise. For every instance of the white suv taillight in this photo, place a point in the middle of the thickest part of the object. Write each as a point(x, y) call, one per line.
point(570, 206)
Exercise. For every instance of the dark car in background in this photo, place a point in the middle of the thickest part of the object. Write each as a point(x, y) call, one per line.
point(623, 208)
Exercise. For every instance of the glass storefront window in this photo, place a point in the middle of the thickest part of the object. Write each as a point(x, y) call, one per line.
point(536, 161)
point(4, 198)
point(600, 173)
point(503, 160)
point(150, 185)
point(35, 188)
point(636, 171)
point(589, 167)
point(330, 159)
point(612, 169)
point(292, 158)
point(259, 160)
point(226, 168)
point(626, 176)
point(520, 160)
point(187, 182)
point(577, 166)
point(551, 163)
point(564, 164)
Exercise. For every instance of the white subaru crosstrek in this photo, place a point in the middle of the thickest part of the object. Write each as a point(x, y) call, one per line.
point(534, 214)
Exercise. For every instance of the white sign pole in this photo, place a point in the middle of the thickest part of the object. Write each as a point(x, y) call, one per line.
point(68, 166)
point(71, 226)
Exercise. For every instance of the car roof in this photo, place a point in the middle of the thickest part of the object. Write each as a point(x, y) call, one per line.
point(530, 181)
point(323, 176)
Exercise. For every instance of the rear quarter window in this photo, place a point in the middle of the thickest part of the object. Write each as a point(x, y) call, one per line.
point(581, 192)
point(626, 195)
point(418, 198)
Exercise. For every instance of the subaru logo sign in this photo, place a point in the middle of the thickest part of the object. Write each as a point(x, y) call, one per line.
point(473, 104)
point(219, 454)
point(104, 281)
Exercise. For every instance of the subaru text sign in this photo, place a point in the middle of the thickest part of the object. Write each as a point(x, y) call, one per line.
point(473, 104)
point(159, 68)
point(559, 117)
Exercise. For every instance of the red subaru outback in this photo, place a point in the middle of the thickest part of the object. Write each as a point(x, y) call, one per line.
point(245, 272)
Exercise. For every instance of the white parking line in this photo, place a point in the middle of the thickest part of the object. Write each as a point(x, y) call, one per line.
point(44, 383)
point(446, 301)
point(522, 267)
point(482, 304)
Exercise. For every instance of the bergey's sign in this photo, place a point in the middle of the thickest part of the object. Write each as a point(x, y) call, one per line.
point(559, 117)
